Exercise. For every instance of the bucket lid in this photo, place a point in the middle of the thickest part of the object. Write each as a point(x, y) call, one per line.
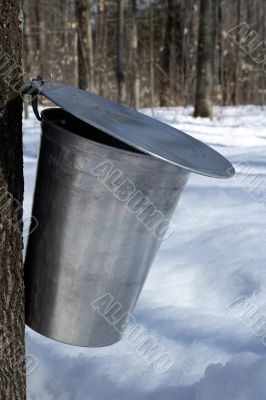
point(138, 130)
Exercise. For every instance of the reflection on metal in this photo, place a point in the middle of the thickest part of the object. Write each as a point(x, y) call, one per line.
point(138, 130)
point(97, 200)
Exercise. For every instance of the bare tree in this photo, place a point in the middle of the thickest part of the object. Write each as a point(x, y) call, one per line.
point(236, 61)
point(220, 91)
point(166, 54)
point(172, 54)
point(120, 76)
point(42, 35)
point(152, 57)
point(134, 46)
point(85, 50)
point(101, 47)
point(27, 48)
point(127, 49)
point(205, 60)
point(264, 39)
point(12, 365)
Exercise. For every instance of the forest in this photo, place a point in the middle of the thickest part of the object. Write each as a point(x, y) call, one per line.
point(151, 53)
point(180, 101)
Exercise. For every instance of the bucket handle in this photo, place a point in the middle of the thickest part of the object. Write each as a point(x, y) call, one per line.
point(32, 90)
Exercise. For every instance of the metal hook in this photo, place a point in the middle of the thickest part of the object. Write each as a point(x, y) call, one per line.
point(32, 90)
point(34, 103)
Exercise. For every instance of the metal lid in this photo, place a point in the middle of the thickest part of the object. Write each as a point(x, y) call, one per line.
point(138, 130)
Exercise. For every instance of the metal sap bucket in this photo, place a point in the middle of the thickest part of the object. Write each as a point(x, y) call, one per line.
point(103, 207)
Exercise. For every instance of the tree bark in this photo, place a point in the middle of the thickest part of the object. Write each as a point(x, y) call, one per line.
point(152, 57)
point(27, 46)
point(172, 55)
point(120, 76)
point(205, 59)
point(166, 56)
point(135, 66)
point(39, 22)
point(264, 38)
point(12, 349)
point(85, 46)
point(27, 49)
point(220, 95)
point(237, 54)
point(101, 49)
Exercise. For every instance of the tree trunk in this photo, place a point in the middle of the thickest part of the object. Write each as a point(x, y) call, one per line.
point(237, 54)
point(189, 54)
point(177, 65)
point(66, 45)
point(166, 55)
point(101, 48)
point(27, 46)
point(152, 57)
point(264, 39)
point(85, 49)
point(205, 60)
point(220, 95)
point(27, 49)
point(12, 353)
point(42, 22)
point(120, 76)
point(172, 55)
point(134, 46)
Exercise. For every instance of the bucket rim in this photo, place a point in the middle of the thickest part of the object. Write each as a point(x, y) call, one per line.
point(146, 134)
point(134, 153)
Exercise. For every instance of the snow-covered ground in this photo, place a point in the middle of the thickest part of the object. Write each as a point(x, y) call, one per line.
point(190, 302)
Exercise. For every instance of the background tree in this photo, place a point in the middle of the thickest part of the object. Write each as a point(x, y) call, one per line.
point(85, 50)
point(236, 57)
point(101, 48)
point(40, 19)
point(171, 59)
point(12, 368)
point(163, 68)
point(135, 67)
point(120, 75)
point(205, 59)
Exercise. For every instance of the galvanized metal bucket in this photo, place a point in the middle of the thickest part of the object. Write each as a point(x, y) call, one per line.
point(103, 208)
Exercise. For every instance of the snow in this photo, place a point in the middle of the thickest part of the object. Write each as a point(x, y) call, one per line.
point(190, 302)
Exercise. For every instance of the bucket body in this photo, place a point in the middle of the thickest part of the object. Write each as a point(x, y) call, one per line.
point(102, 209)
